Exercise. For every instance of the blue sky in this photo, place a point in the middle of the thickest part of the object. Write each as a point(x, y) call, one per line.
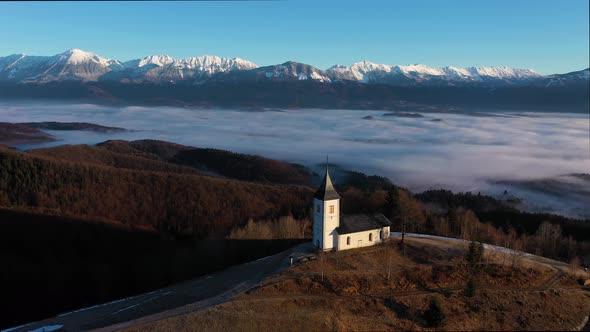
point(547, 36)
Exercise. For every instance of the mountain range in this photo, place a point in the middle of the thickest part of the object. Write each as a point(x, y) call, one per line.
point(78, 65)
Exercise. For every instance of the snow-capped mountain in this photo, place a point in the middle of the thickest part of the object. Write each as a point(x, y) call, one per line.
point(573, 77)
point(365, 72)
point(150, 62)
point(368, 72)
point(164, 68)
point(74, 64)
point(288, 71)
point(78, 65)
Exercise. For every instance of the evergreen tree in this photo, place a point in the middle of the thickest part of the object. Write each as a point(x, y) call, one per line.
point(435, 315)
point(394, 210)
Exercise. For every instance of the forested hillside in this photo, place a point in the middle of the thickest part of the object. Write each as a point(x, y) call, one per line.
point(81, 225)
point(179, 203)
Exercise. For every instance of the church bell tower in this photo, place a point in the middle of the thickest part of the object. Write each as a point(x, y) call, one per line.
point(326, 216)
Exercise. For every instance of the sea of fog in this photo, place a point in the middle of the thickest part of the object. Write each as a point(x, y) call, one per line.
point(478, 152)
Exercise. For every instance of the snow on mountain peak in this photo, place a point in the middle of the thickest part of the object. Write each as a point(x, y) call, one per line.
point(94, 65)
point(420, 70)
point(77, 56)
point(358, 71)
point(158, 60)
point(502, 72)
point(213, 63)
point(76, 64)
point(368, 72)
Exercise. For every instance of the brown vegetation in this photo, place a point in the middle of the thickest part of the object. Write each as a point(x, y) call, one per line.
point(13, 133)
point(474, 217)
point(52, 125)
point(101, 156)
point(285, 227)
point(549, 235)
point(159, 188)
point(179, 203)
point(350, 291)
point(243, 167)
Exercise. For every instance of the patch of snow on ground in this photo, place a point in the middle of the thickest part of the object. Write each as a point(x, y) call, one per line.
point(485, 245)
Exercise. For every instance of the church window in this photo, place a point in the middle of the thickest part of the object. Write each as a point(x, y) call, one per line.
point(370, 236)
point(331, 208)
point(348, 240)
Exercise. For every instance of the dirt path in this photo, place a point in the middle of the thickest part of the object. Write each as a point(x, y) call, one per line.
point(167, 302)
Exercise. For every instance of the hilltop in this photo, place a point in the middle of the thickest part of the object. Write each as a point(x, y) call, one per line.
point(383, 288)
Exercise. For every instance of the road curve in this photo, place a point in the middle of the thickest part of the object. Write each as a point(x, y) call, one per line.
point(167, 302)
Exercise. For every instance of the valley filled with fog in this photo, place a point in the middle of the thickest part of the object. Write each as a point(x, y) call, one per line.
point(536, 157)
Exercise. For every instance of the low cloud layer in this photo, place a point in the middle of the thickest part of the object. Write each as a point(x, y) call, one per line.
point(460, 152)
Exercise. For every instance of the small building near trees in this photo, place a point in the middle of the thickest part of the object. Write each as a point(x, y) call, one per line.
point(331, 231)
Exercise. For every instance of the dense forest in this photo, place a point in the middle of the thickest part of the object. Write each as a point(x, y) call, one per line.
point(502, 216)
point(173, 202)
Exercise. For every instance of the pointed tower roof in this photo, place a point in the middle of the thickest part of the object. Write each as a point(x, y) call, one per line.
point(326, 190)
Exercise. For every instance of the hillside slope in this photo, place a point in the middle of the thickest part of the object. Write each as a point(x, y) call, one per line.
point(100, 223)
point(383, 288)
point(88, 261)
point(180, 203)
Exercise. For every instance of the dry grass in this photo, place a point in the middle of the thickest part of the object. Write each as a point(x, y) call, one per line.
point(355, 294)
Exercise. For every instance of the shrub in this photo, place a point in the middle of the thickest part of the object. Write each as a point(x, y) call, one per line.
point(471, 288)
point(435, 315)
point(474, 256)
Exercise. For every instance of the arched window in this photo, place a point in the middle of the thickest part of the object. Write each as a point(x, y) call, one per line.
point(348, 240)
point(370, 236)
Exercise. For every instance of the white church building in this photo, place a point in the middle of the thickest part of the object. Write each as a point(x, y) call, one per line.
point(331, 231)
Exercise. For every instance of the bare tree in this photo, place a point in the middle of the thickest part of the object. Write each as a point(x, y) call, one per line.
point(548, 236)
point(575, 263)
point(571, 247)
point(515, 259)
point(402, 210)
point(322, 260)
point(393, 209)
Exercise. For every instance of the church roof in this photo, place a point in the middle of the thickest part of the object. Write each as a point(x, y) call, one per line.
point(362, 222)
point(326, 190)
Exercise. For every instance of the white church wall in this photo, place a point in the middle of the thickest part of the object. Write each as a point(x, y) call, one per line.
point(326, 219)
point(362, 239)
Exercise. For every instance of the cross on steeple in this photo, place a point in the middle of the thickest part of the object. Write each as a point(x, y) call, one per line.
point(326, 190)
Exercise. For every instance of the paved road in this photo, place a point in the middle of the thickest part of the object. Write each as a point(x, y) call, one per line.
point(170, 301)
point(211, 290)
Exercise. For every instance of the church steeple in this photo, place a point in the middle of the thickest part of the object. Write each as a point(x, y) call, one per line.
point(326, 190)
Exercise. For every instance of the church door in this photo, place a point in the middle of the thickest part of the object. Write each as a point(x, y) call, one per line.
point(360, 243)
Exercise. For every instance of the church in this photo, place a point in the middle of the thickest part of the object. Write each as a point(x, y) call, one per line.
point(331, 231)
